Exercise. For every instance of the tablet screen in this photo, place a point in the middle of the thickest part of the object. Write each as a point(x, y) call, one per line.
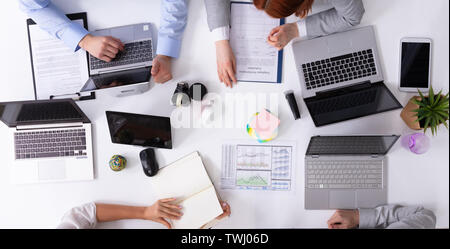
point(415, 65)
point(141, 130)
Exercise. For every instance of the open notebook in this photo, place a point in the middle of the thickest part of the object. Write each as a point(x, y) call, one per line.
point(188, 181)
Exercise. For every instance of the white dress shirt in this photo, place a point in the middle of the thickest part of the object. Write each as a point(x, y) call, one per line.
point(82, 217)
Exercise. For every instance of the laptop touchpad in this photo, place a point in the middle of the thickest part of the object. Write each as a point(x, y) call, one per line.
point(342, 199)
point(339, 44)
point(52, 170)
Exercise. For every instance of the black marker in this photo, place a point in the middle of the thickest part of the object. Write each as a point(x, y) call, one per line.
point(293, 104)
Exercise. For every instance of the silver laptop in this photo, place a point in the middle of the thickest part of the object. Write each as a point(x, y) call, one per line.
point(130, 72)
point(52, 141)
point(346, 172)
point(341, 76)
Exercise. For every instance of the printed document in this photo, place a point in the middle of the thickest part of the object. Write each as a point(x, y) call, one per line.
point(256, 60)
point(250, 166)
point(58, 70)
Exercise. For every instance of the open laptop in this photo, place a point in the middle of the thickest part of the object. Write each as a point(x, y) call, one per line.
point(52, 141)
point(129, 72)
point(341, 76)
point(347, 172)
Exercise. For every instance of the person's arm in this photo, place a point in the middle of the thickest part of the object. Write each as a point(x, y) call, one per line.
point(158, 212)
point(54, 21)
point(218, 12)
point(87, 216)
point(75, 36)
point(170, 34)
point(397, 217)
point(344, 15)
point(173, 22)
point(389, 217)
point(218, 16)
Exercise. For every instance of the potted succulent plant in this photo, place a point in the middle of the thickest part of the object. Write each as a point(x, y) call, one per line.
point(426, 112)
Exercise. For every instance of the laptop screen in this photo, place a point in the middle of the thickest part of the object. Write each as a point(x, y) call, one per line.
point(351, 102)
point(141, 130)
point(117, 79)
point(40, 112)
point(351, 145)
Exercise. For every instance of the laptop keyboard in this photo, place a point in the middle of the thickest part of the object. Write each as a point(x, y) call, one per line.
point(346, 145)
point(54, 143)
point(339, 69)
point(344, 174)
point(338, 103)
point(135, 52)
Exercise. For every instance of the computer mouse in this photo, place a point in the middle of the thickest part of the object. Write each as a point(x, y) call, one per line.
point(149, 163)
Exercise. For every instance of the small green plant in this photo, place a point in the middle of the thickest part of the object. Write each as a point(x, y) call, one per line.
point(433, 110)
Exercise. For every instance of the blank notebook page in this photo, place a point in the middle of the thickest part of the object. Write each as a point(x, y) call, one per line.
point(188, 181)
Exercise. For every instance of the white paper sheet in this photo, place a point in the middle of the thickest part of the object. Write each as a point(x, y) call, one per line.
point(199, 210)
point(58, 70)
point(256, 60)
point(249, 166)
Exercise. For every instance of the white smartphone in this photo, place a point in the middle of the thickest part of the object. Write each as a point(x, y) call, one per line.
point(415, 64)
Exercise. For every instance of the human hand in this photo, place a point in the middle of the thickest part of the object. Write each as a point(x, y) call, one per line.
point(344, 219)
point(162, 210)
point(104, 48)
point(226, 210)
point(226, 63)
point(280, 36)
point(161, 69)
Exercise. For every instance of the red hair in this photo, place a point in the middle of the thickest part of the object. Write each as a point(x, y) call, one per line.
point(284, 8)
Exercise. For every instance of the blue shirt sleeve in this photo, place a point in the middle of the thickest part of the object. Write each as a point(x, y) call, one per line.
point(54, 21)
point(173, 23)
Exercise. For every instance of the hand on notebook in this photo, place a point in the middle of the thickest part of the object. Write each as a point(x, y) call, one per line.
point(226, 210)
point(226, 63)
point(162, 210)
point(280, 36)
point(161, 70)
point(344, 219)
point(102, 47)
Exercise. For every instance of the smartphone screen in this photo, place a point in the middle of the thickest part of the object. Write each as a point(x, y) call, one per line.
point(415, 67)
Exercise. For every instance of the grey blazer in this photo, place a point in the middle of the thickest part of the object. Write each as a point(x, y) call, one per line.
point(218, 12)
point(344, 15)
point(396, 217)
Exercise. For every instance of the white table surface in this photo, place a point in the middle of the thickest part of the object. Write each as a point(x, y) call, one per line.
point(412, 179)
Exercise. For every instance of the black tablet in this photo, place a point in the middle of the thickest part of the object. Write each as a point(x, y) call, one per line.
point(141, 130)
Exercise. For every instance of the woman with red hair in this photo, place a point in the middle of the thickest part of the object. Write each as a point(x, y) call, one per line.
point(342, 15)
point(338, 16)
